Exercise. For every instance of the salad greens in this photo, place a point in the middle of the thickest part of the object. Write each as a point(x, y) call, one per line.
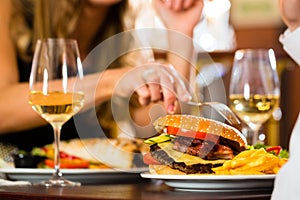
point(276, 150)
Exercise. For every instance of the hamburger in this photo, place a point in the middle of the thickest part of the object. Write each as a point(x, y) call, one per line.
point(188, 144)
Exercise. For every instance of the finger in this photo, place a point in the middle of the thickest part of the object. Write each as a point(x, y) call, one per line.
point(167, 3)
point(188, 3)
point(177, 5)
point(168, 92)
point(155, 92)
point(143, 95)
point(152, 80)
point(169, 100)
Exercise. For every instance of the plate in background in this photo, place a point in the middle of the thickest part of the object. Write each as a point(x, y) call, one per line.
point(85, 176)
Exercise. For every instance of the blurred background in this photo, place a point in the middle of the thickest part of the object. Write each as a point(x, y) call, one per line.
point(228, 25)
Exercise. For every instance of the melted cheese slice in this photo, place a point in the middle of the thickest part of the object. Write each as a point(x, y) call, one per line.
point(186, 158)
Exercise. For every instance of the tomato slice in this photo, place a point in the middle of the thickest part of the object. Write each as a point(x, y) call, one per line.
point(68, 156)
point(274, 149)
point(68, 163)
point(149, 160)
point(192, 134)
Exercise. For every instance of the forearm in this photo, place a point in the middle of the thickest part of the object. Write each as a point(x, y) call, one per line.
point(100, 87)
point(180, 18)
point(181, 53)
point(16, 113)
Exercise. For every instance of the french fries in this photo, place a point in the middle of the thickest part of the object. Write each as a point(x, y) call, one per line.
point(255, 161)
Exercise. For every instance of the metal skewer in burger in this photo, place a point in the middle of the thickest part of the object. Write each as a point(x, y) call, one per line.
point(190, 144)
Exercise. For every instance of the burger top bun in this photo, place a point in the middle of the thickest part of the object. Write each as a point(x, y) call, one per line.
point(200, 124)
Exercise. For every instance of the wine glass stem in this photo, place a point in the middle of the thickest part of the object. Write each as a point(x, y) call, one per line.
point(57, 130)
point(255, 134)
point(255, 137)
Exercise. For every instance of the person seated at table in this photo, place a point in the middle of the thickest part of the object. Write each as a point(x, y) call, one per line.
point(287, 183)
point(89, 22)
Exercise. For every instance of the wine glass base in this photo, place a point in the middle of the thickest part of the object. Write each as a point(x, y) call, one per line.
point(61, 182)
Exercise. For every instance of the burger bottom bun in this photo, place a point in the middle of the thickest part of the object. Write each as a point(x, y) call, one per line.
point(164, 170)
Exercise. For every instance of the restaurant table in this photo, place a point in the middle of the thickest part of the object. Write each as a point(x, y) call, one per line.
point(138, 189)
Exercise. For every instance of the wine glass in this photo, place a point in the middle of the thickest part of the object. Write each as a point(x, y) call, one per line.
point(254, 88)
point(56, 91)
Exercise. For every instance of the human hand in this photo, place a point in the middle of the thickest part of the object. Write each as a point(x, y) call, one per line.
point(289, 10)
point(153, 82)
point(180, 15)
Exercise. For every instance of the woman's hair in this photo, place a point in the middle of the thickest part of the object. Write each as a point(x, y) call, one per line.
point(34, 19)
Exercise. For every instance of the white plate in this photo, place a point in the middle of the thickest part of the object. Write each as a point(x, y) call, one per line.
point(85, 176)
point(216, 183)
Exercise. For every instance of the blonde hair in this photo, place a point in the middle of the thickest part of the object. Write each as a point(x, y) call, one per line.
point(49, 14)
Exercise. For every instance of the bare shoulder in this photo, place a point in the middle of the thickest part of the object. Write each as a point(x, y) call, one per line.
point(5, 14)
point(8, 63)
point(5, 9)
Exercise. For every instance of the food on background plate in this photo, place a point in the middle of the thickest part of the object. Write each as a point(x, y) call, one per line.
point(95, 153)
point(23, 159)
point(190, 144)
point(5, 164)
point(253, 161)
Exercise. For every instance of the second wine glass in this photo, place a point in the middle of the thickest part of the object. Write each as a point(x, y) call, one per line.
point(254, 88)
point(56, 91)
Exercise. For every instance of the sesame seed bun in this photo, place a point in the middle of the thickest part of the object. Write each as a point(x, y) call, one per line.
point(201, 124)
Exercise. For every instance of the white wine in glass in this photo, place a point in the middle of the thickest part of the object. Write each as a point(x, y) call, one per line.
point(254, 88)
point(56, 91)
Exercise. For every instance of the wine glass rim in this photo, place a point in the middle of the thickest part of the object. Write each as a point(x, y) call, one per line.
point(56, 40)
point(254, 50)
